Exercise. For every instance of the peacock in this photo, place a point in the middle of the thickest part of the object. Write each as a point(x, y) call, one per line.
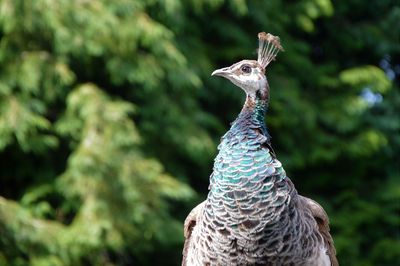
point(253, 214)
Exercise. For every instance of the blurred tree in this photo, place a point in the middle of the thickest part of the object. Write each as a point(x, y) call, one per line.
point(88, 178)
point(87, 194)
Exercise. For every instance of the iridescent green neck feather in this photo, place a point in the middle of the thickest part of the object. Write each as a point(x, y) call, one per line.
point(254, 109)
point(244, 152)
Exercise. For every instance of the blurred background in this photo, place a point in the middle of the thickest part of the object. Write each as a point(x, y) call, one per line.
point(109, 121)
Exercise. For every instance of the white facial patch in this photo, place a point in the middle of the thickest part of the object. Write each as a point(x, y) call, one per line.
point(249, 82)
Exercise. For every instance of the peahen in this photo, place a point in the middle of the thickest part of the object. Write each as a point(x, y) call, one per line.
point(253, 214)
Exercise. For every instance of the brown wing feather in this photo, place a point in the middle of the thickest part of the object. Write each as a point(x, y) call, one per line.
point(323, 224)
point(190, 223)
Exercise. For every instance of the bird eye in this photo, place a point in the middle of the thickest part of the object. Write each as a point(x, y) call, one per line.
point(246, 69)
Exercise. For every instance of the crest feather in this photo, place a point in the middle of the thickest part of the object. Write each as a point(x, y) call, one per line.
point(268, 47)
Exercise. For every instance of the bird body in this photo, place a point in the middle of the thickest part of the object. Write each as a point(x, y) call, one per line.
point(253, 214)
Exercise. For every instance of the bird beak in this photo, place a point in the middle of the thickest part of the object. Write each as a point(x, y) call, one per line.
point(223, 72)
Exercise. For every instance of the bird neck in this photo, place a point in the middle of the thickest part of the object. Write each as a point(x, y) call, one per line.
point(255, 107)
point(245, 171)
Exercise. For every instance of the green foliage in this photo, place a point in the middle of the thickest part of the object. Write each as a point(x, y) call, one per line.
point(108, 113)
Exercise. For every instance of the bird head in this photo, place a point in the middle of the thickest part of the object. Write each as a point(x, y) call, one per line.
point(246, 74)
point(249, 75)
